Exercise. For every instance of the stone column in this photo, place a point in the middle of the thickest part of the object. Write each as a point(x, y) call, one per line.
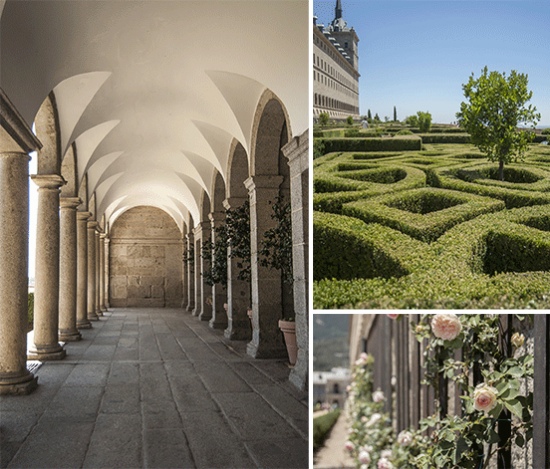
point(102, 307)
point(107, 242)
point(298, 159)
point(190, 272)
point(219, 292)
point(82, 321)
point(14, 235)
point(238, 292)
point(184, 278)
point(97, 271)
point(46, 290)
point(203, 302)
point(267, 308)
point(67, 271)
point(91, 303)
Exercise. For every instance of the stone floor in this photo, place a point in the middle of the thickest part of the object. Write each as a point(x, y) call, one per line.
point(156, 388)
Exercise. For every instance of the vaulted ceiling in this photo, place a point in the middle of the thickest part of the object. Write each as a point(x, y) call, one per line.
point(152, 93)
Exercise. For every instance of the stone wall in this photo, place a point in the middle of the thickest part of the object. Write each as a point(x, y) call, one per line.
point(145, 260)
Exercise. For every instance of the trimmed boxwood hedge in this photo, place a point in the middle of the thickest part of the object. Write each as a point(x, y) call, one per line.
point(406, 143)
point(453, 273)
point(445, 138)
point(322, 426)
point(424, 214)
point(347, 248)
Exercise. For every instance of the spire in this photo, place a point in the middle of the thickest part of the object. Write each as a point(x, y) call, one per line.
point(338, 10)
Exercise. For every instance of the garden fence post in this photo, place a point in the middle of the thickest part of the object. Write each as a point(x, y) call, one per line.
point(505, 423)
point(541, 407)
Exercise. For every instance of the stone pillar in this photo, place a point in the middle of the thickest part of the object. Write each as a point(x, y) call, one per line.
point(298, 159)
point(267, 308)
point(82, 321)
point(190, 272)
point(102, 307)
point(204, 303)
point(238, 292)
point(14, 235)
point(97, 272)
point(46, 290)
point(218, 291)
point(106, 273)
point(184, 277)
point(67, 271)
point(91, 303)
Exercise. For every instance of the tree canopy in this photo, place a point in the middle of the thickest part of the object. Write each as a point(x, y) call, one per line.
point(496, 106)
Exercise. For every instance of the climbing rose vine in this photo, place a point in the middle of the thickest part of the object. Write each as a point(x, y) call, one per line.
point(470, 440)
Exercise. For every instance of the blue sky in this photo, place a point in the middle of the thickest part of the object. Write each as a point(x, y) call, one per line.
point(416, 55)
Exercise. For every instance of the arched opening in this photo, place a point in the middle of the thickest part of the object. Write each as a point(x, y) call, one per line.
point(145, 259)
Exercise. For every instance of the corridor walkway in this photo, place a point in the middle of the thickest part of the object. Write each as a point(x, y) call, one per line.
point(156, 388)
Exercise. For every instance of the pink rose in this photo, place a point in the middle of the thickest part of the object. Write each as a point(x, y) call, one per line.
point(378, 396)
point(485, 397)
point(446, 326)
point(386, 454)
point(375, 418)
point(364, 457)
point(383, 463)
point(349, 445)
point(404, 438)
point(393, 316)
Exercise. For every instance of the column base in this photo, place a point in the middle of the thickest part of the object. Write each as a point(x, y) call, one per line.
point(217, 324)
point(93, 317)
point(298, 375)
point(83, 324)
point(18, 385)
point(263, 350)
point(103, 309)
point(46, 354)
point(205, 316)
point(69, 336)
point(238, 330)
point(190, 307)
point(196, 312)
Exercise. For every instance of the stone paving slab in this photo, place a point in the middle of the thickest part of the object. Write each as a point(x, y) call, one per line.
point(156, 388)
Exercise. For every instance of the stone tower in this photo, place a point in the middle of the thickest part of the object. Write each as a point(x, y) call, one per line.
point(346, 37)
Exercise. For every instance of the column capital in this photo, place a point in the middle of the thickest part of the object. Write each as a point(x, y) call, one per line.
point(232, 202)
point(263, 182)
point(297, 148)
point(83, 215)
point(103, 235)
point(48, 181)
point(69, 202)
point(92, 224)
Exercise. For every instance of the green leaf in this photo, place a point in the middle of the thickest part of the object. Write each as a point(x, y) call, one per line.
point(520, 440)
point(462, 447)
point(515, 371)
point(514, 406)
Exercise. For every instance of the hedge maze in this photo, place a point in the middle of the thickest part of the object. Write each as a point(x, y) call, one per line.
point(429, 225)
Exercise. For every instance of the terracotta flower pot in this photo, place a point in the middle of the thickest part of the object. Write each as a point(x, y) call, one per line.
point(289, 331)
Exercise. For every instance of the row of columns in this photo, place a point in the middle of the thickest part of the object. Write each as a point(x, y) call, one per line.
point(71, 261)
point(263, 294)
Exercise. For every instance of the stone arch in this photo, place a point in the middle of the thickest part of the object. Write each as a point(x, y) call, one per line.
point(46, 125)
point(69, 173)
point(270, 122)
point(237, 171)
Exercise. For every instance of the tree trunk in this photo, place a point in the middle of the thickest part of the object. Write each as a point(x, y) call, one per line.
point(501, 170)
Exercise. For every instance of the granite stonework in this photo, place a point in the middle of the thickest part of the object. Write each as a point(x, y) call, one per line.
point(145, 260)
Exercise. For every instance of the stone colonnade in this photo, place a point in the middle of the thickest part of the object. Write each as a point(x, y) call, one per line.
point(263, 294)
point(67, 258)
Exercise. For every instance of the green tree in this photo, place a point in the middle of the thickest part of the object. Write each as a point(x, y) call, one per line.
point(376, 118)
point(349, 120)
point(323, 119)
point(424, 121)
point(394, 114)
point(496, 105)
point(369, 116)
